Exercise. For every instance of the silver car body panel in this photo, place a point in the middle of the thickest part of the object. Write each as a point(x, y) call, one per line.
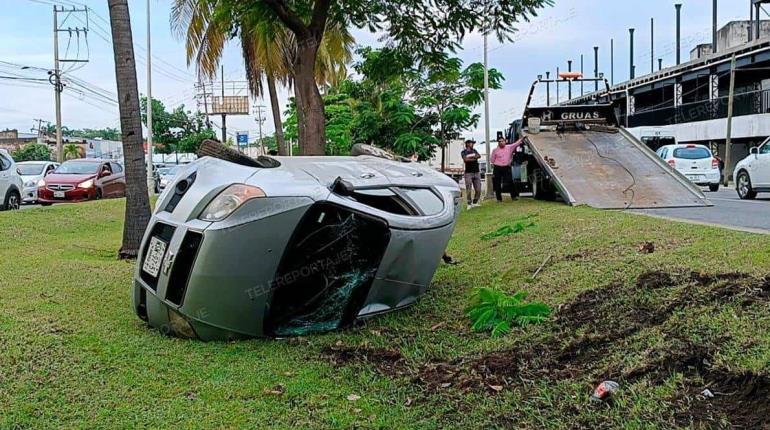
point(233, 278)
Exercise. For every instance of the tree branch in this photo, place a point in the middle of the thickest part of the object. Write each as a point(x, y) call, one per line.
point(288, 17)
point(320, 16)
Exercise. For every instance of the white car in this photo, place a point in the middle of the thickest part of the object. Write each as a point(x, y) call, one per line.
point(752, 174)
point(32, 172)
point(10, 183)
point(696, 162)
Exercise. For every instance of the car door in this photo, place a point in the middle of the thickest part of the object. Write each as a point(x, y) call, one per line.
point(761, 167)
point(105, 183)
point(119, 180)
point(5, 177)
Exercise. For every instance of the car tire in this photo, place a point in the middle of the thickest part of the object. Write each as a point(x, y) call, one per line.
point(46, 204)
point(541, 188)
point(743, 186)
point(98, 194)
point(12, 201)
point(713, 188)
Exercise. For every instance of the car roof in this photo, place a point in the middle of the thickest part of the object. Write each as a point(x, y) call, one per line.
point(35, 162)
point(685, 145)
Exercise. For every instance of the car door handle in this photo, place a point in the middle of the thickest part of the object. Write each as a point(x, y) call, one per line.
point(367, 176)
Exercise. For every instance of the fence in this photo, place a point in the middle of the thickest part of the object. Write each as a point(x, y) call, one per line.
point(749, 103)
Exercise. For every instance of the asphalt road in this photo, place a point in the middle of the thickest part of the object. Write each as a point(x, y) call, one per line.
point(728, 211)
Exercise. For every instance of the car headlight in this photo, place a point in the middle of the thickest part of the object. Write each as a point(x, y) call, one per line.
point(87, 184)
point(229, 200)
point(30, 184)
point(41, 183)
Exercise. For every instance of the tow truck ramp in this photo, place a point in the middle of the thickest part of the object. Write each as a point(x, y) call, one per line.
point(585, 156)
point(610, 169)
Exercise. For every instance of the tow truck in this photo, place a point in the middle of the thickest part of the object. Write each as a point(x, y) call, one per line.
point(581, 154)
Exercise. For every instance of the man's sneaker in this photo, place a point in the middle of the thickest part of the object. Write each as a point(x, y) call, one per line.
point(469, 207)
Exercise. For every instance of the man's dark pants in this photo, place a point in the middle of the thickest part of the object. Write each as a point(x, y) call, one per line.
point(501, 178)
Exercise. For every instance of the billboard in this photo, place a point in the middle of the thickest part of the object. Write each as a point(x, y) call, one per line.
point(230, 105)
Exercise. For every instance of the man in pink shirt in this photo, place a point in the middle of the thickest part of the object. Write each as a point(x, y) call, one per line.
point(501, 158)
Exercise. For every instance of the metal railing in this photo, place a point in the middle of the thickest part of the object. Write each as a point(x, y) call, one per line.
point(748, 103)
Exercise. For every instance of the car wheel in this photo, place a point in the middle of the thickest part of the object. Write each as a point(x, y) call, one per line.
point(12, 201)
point(98, 194)
point(743, 186)
point(713, 188)
point(541, 189)
point(46, 204)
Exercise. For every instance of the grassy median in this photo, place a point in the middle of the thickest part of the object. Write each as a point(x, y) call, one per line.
point(667, 324)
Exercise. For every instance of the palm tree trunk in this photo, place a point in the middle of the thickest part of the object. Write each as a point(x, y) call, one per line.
point(282, 149)
point(310, 107)
point(137, 198)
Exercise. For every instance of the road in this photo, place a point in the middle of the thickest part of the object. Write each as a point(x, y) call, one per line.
point(728, 211)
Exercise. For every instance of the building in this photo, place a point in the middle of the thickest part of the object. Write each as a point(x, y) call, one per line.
point(12, 140)
point(691, 99)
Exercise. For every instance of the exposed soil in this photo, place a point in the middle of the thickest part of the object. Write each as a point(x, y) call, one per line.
point(740, 401)
point(596, 327)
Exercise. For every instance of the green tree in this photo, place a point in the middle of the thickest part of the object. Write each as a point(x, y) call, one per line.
point(178, 130)
point(269, 49)
point(32, 152)
point(423, 29)
point(71, 151)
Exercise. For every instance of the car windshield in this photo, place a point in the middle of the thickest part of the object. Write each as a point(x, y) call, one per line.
point(163, 170)
point(31, 169)
point(78, 168)
point(692, 153)
point(169, 171)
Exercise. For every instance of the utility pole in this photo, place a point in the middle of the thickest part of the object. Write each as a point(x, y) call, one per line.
point(150, 169)
point(39, 129)
point(582, 90)
point(57, 86)
point(729, 141)
point(224, 116)
point(488, 175)
point(260, 120)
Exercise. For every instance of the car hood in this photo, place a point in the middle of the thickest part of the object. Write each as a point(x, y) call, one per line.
point(27, 178)
point(55, 178)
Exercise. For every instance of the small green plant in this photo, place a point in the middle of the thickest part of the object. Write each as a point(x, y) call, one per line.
point(518, 226)
point(495, 311)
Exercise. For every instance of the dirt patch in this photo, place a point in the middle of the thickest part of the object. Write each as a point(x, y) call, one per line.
point(587, 333)
point(740, 400)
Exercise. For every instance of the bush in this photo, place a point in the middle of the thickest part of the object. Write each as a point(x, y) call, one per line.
point(32, 152)
point(495, 311)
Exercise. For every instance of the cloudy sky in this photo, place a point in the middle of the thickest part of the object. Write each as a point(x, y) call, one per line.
point(558, 34)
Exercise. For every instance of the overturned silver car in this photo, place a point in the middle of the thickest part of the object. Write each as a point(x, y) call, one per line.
point(289, 246)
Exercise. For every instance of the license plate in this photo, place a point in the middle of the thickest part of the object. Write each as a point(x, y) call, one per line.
point(154, 259)
point(58, 194)
point(694, 177)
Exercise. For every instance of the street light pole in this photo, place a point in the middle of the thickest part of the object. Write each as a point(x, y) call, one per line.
point(488, 175)
point(150, 173)
point(57, 86)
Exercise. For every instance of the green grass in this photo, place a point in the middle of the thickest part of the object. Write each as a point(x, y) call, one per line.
point(74, 355)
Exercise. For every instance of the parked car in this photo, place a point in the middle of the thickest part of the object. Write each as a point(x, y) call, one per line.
point(752, 174)
point(82, 179)
point(696, 162)
point(32, 172)
point(164, 177)
point(10, 182)
point(240, 247)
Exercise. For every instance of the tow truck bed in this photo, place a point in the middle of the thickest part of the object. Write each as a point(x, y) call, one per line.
point(610, 169)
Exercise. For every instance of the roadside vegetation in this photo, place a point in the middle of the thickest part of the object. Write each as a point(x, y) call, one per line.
point(665, 322)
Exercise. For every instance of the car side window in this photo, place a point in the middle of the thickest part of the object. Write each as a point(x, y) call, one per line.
point(5, 164)
point(116, 168)
point(765, 149)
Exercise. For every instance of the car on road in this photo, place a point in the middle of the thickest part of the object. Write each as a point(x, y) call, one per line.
point(752, 174)
point(164, 177)
point(696, 162)
point(10, 182)
point(240, 247)
point(32, 172)
point(82, 179)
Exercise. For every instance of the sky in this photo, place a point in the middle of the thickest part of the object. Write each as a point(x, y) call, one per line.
point(560, 33)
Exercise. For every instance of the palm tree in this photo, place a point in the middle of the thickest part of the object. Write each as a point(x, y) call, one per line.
point(71, 151)
point(270, 51)
point(137, 197)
